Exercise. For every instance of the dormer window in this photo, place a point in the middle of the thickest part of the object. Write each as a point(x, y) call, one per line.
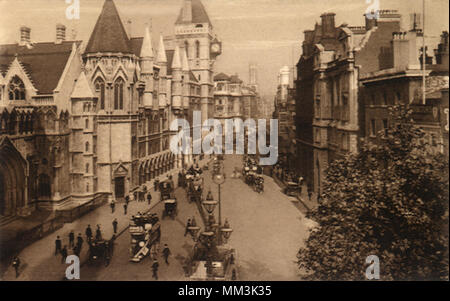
point(199, 26)
point(16, 89)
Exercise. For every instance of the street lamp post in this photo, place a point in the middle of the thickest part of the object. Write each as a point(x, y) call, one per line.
point(219, 179)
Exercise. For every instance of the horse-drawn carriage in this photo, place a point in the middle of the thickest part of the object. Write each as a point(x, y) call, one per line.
point(194, 188)
point(100, 251)
point(145, 231)
point(292, 189)
point(166, 188)
point(170, 208)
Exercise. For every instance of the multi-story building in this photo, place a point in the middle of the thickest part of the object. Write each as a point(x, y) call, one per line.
point(328, 114)
point(399, 82)
point(284, 112)
point(78, 124)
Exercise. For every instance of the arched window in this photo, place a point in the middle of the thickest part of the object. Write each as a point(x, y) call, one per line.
point(118, 94)
point(186, 46)
point(87, 167)
point(100, 89)
point(44, 189)
point(197, 49)
point(87, 146)
point(86, 124)
point(16, 89)
point(87, 186)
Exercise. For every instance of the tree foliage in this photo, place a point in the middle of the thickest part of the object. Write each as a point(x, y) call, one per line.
point(388, 200)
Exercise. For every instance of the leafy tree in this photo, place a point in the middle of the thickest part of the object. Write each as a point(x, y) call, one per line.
point(389, 200)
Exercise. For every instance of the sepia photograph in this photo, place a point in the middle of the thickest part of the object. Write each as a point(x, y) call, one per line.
point(224, 141)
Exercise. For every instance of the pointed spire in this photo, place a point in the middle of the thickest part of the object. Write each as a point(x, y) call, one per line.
point(147, 48)
point(162, 58)
point(176, 62)
point(185, 61)
point(109, 34)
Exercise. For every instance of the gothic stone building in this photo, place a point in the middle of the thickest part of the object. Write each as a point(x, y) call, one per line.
point(79, 123)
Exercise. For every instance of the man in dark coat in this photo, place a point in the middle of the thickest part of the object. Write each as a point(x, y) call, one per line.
point(89, 233)
point(166, 253)
point(71, 239)
point(149, 198)
point(16, 265)
point(57, 245)
point(114, 223)
point(98, 233)
point(113, 206)
point(79, 241)
point(125, 207)
point(155, 267)
point(188, 224)
point(64, 254)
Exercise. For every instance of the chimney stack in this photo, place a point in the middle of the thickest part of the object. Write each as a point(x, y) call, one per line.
point(60, 33)
point(371, 20)
point(328, 26)
point(25, 35)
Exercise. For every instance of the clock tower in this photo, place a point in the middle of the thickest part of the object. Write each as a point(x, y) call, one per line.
point(194, 32)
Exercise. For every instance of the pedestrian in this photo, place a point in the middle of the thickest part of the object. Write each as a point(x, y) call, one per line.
point(156, 184)
point(188, 224)
point(127, 199)
point(89, 233)
point(63, 254)
point(155, 267)
point(16, 265)
point(76, 250)
point(71, 239)
point(166, 253)
point(57, 245)
point(149, 198)
point(79, 241)
point(125, 206)
point(114, 223)
point(98, 233)
point(113, 206)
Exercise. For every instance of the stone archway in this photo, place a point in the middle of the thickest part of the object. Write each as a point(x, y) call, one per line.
point(13, 188)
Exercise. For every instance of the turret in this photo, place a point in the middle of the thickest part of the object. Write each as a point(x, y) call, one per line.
point(147, 67)
point(177, 79)
point(161, 60)
point(186, 76)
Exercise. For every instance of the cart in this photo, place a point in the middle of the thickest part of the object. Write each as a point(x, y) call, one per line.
point(100, 251)
point(166, 188)
point(170, 208)
point(291, 189)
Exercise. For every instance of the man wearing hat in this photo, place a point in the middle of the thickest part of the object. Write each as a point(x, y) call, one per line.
point(155, 267)
point(166, 253)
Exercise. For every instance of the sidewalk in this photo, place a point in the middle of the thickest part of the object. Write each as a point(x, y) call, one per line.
point(38, 260)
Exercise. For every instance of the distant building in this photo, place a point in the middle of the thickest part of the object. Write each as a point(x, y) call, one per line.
point(284, 112)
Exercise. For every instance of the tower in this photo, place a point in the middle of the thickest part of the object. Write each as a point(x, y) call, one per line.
point(253, 79)
point(194, 32)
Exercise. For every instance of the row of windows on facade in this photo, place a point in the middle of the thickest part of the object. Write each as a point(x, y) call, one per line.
point(196, 49)
point(118, 92)
point(14, 124)
point(153, 147)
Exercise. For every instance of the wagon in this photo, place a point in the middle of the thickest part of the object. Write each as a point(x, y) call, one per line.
point(170, 208)
point(291, 189)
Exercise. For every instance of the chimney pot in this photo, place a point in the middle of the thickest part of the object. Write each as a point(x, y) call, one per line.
point(60, 33)
point(25, 33)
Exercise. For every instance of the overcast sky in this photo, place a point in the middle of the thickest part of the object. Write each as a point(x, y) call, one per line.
point(267, 32)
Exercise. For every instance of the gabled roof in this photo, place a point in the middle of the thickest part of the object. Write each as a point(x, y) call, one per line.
point(235, 79)
point(82, 88)
point(198, 14)
point(108, 35)
point(35, 61)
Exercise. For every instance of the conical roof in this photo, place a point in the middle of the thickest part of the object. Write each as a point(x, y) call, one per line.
point(162, 58)
point(197, 14)
point(147, 47)
point(108, 35)
point(176, 61)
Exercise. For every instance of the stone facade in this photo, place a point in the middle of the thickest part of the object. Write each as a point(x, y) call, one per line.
point(95, 122)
